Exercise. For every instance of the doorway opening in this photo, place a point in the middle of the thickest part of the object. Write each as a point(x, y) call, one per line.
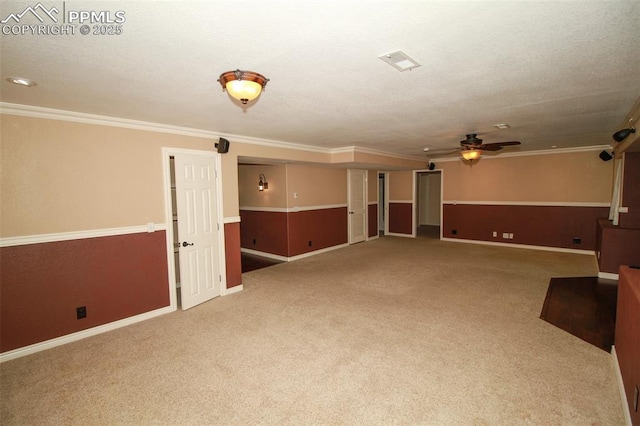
point(382, 203)
point(428, 211)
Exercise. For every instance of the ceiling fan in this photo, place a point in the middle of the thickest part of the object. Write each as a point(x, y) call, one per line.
point(472, 147)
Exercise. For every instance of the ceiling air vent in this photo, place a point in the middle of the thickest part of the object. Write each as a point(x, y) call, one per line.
point(399, 60)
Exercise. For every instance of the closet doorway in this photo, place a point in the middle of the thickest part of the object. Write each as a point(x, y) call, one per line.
point(428, 213)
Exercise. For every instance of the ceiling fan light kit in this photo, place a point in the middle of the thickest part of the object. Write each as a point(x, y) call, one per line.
point(470, 154)
point(244, 86)
point(472, 147)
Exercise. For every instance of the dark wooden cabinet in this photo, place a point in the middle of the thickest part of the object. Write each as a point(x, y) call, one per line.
point(627, 340)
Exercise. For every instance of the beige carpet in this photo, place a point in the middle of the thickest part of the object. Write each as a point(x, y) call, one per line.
point(392, 331)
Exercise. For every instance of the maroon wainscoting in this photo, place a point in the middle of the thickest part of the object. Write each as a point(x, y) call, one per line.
point(631, 191)
point(400, 218)
point(372, 212)
point(312, 230)
point(42, 284)
point(547, 226)
point(233, 261)
point(264, 231)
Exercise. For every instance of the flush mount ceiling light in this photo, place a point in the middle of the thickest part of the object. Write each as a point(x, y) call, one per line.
point(400, 60)
point(245, 86)
point(502, 126)
point(21, 81)
point(621, 135)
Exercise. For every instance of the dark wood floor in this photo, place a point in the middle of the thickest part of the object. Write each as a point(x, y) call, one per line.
point(251, 262)
point(584, 307)
point(429, 231)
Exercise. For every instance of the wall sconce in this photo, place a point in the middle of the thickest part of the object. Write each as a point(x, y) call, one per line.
point(621, 135)
point(245, 86)
point(262, 185)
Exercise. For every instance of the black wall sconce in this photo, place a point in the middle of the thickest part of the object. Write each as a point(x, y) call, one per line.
point(621, 135)
point(262, 185)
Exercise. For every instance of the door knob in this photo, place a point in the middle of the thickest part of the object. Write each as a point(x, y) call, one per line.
point(184, 244)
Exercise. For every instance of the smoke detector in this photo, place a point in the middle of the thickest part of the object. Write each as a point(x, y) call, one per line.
point(400, 60)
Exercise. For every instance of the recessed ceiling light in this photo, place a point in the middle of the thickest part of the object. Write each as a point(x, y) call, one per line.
point(21, 81)
point(501, 126)
point(399, 60)
point(426, 149)
point(554, 146)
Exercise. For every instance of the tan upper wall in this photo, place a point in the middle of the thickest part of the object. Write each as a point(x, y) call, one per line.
point(315, 186)
point(400, 186)
point(372, 186)
point(564, 177)
point(273, 197)
point(60, 176)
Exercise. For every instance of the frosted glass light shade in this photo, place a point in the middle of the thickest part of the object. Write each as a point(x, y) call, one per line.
point(243, 90)
point(470, 154)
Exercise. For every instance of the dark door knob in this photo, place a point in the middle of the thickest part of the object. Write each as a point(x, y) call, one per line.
point(186, 244)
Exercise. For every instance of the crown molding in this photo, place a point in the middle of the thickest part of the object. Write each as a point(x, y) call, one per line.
point(530, 153)
point(102, 120)
point(370, 151)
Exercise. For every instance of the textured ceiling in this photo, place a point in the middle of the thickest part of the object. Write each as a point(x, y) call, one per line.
point(559, 73)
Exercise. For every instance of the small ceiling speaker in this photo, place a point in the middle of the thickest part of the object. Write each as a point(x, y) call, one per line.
point(605, 156)
point(431, 166)
point(223, 146)
point(621, 135)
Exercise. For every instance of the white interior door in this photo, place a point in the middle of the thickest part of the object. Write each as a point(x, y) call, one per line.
point(357, 206)
point(198, 228)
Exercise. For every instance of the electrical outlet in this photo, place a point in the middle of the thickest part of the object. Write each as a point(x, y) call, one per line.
point(510, 236)
point(505, 235)
point(254, 241)
point(81, 312)
point(495, 234)
point(577, 240)
point(454, 232)
point(309, 243)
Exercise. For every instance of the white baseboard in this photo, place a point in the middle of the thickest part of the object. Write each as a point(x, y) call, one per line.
point(524, 246)
point(58, 341)
point(265, 254)
point(234, 289)
point(623, 396)
point(313, 253)
point(608, 276)
point(289, 259)
point(394, 234)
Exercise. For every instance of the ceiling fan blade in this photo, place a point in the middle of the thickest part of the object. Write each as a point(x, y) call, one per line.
point(490, 147)
point(443, 151)
point(498, 145)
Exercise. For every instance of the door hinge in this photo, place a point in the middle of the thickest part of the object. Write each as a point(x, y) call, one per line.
point(220, 278)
